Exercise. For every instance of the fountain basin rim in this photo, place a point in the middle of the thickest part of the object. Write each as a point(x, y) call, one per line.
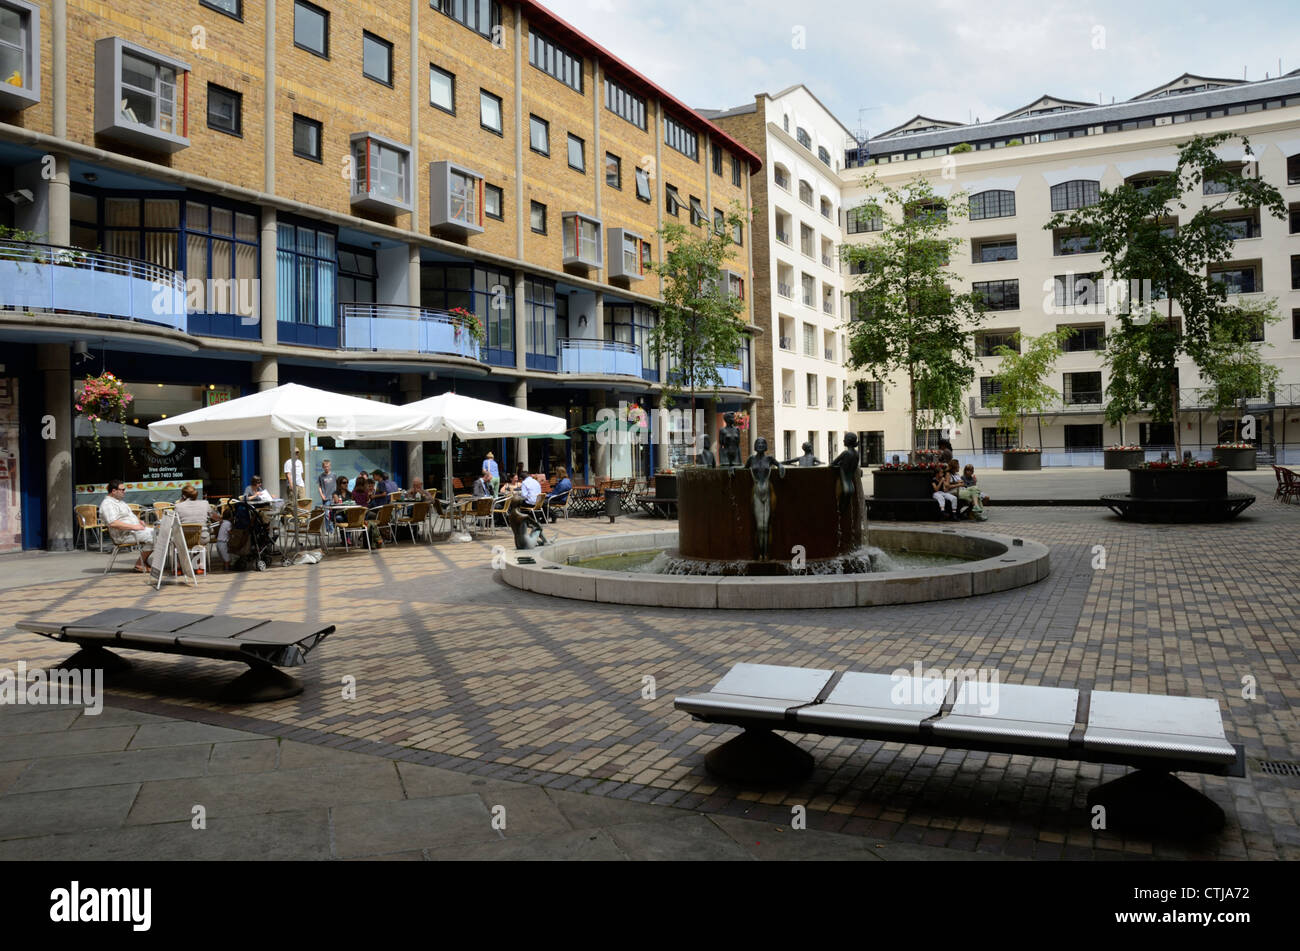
point(1005, 566)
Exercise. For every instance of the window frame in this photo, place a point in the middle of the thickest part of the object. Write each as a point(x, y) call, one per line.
point(582, 153)
point(617, 164)
point(1001, 201)
point(642, 175)
point(673, 203)
point(1066, 195)
point(532, 210)
point(484, 95)
point(500, 199)
point(737, 178)
point(369, 194)
point(677, 135)
point(536, 121)
point(320, 138)
point(717, 160)
point(374, 38)
point(238, 14)
point(494, 30)
point(325, 15)
point(596, 241)
point(450, 76)
point(29, 51)
point(860, 221)
point(540, 43)
point(617, 93)
point(1008, 291)
point(238, 97)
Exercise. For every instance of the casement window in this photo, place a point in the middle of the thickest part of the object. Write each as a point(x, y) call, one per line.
point(489, 111)
point(307, 138)
point(824, 155)
point(998, 295)
point(141, 97)
point(992, 204)
point(221, 255)
point(1081, 388)
point(679, 137)
point(1077, 289)
point(719, 221)
point(376, 58)
point(735, 285)
point(735, 171)
point(1079, 193)
point(311, 28)
point(629, 254)
point(231, 8)
point(871, 396)
point(861, 220)
point(1238, 279)
point(493, 200)
point(225, 110)
point(987, 342)
point(698, 215)
point(539, 135)
point(738, 234)
point(481, 16)
point(643, 184)
point(1085, 339)
point(555, 60)
point(717, 160)
point(1066, 242)
point(307, 268)
point(582, 245)
point(442, 89)
point(804, 138)
point(20, 52)
point(456, 199)
point(537, 217)
point(672, 200)
point(623, 102)
point(805, 193)
point(988, 250)
point(613, 170)
point(577, 153)
point(381, 170)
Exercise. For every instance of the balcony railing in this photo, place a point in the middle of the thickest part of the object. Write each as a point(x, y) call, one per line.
point(50, 277)
point(826, 260)
point(1082, 398)
point(783, 237)
point(830, 354)
point(785, 290)
point(809, 301)
point(599, 357)
point(830, 402)
point(405, 328)
point(787, 397)
point(731, 377)
point(787, 343)
point(828, 306)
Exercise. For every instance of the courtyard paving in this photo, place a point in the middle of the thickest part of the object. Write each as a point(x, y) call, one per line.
point(462, 678)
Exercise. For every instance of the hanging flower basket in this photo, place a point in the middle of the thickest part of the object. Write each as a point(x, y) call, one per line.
point(467, 322)
point(102, 398)
point(741, 420)
point(636, 416)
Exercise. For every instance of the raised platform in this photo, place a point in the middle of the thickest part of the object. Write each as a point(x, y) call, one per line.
point(1185, 511)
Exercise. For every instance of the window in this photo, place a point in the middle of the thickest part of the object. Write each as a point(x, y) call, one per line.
point(735, 171)
point(1082, 388)
point(1293, 169)
point(1295, 272)
point(998, 295)
point(628, 254)
point(1072, 242)
point(442, 89)
point(1294, 220)
point(993, 249)
point(613, 171)
point(804, 139)
point(357, 275)
point(672, 200)
point(995, 440)
point(989, 386)
point(306, 268)
point(306, 138)
point(541, 327)
point(1211, 187)
point(224, 109)
point(489, 111)
point(554, 60)
point(698, 214)
point(582, 240)
point(871, 396)
point(811, 380)
point(1083, 436)
point(624, 103)
point(221, 247)
point(735, 285)
point(781, 177)
point(1079, 193)
point(717, 160)
point(537, 217)
point(992, 204)
point(987, 342)
point(481, 16)
point(1084, 339)
point(1237, 279)
point(827, 213)
point(1238, 226)
point(20, 34)
point(487, 293)
point(719, 221)
point(539, 135)
point(809, 340)
point(861, 220)
point(231, 8)
point(643, 184)
point(738, 234)
point(1156, 435)
point(311, 28)
point(376, 59)
point(140, 95)
point(493, 198)
point(1295, 323)
point(577, 156)
point(1078, 289)
point(380, 173)
point(456, 199)
point(824, 156)
point(677, 136)
point(806, 235)
point(805, 193)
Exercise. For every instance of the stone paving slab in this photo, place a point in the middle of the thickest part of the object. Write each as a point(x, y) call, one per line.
point(64, 743)
point(65, 810)
point(108, 769)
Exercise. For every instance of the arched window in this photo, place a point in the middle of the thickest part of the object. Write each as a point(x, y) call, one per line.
point(804, 138)
point(1144, 181)
point(805, 192)
point(785, 122)
point(1079, 193)
point(782, 176)
point(824, 155)
point(992, 204)
point(826, 208)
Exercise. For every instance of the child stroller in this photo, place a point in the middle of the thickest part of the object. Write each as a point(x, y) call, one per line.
point(251, 545)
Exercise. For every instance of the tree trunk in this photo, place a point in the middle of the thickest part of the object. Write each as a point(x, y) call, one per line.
point(1173, 395)
point(911, 439)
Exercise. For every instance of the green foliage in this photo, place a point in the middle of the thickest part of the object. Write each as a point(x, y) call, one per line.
point(962, 147)
point(699, 321)
point(1020, 378)
point(1131, 229)
point(1232, 364)
point(905, 314)
point(1016, 142)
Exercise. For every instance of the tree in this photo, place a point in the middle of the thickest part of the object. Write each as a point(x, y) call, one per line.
point(906, 316)
point(1232, 365)
point(1141, 239)
point(1019, 381)
point(700, 320)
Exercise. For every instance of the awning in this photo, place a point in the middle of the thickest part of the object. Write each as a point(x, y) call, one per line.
point(604, 424)
point(451, 414)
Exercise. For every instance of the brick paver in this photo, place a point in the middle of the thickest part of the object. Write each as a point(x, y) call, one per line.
point(455, 669)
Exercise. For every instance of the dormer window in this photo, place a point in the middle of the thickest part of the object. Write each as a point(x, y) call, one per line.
point(582, 240)
point(20, 51)
point(381, 174)
point(455, 199)
point(140, 96)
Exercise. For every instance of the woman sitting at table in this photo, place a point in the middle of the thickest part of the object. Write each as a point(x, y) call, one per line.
point(512, 487)
point(563, 486)
point(192, 510)
point(255, 493)
point(361, 491)
point(340, 497)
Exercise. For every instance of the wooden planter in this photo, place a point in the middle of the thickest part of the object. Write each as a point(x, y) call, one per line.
point(1022, 461)
point(1238, 460)
point(901, 483)
point(1179, 483)
point(1124, 458)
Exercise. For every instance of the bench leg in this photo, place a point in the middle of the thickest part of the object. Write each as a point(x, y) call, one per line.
point(1148, 800)
point(260, 683)
point(759, 758)
point(93, 657)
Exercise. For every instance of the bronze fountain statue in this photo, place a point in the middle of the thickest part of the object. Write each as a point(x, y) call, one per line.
point(706, 457)
point(729, 442)
point(807, 459)
point(760, 466)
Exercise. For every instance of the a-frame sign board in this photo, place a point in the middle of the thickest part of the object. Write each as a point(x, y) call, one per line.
point(169, 543)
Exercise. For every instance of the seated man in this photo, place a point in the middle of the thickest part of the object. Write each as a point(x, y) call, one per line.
point(531, 490)
point(563, 486)
point(255, 493)
point(123, 525)
point(379, 493)
point(483, 485)
point(418, 493)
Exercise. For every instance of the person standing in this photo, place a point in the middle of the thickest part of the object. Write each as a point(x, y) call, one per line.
point(490, 464)
point(325, 482)
point(293, 477)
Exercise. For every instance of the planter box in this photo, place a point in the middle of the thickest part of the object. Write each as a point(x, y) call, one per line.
point(1178, 483)
point(1022, 461)
point(1124, 458)
point(901, 484)
point(1238, 460)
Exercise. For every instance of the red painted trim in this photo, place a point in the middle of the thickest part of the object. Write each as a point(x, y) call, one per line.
point(185, 107)
point(574, 37)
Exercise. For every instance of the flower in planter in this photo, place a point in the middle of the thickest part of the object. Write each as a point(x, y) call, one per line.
point(467, 322)
point(741, 419)
point(1195, 464)
point(1006, 451)
point(1234, 445)
point(906, 466)
point(101, 398)
point(1123, 448)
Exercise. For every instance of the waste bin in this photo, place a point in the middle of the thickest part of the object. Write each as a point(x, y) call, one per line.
point(613, 502)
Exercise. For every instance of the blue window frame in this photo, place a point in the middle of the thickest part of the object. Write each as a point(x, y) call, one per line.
point(539, 312)
point(306, 274)
point(486, 293)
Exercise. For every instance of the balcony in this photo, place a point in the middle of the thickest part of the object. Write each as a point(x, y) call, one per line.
point(592, 357)
point(405, 328)
point(830, 354)
point(787, 343)
point(731, 377)
point(46, 277)
point(787, 397)
point(828, 307)
point(783, 237)
point(826, 260)
point(785, 290)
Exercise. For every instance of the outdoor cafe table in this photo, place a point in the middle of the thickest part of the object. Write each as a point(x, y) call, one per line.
point(584, 500)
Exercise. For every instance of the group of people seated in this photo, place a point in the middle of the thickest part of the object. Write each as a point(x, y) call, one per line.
point(126, 528)
point(956, 491)
point(523, 486)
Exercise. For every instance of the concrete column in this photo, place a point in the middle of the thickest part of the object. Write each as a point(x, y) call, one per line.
point(59, 208)
point(269, 277)
point(712, 422)
point(59, 62)
point(521, 325)
point(752, 433)
point(54, 360)
point(413, 277)
point(411, 391)
point(266, 376)
point(599, 316)
point(271, 111)
point(521, 401)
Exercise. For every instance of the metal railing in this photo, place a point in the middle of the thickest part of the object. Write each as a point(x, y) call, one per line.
point(830, 354)
point(404, 327)
point(59, 256)
point(783, 237)
point(826, 260)
point(787, 397)
point(828, 306)
point(787, 343)
point(785, 290)
point(591, 355)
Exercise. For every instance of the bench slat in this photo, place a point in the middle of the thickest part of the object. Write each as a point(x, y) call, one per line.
point(862, 701)
point(282, 633)
point(794, 684)
point(1170, 727)
point(221, 626)
point(1039, 716)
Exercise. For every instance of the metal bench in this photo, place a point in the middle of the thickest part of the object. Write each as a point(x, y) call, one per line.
point(1158, 735)
point(261, 643)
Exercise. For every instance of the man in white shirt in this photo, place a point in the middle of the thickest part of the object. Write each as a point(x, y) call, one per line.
point(531, 490)
point(123, 525)
point(293, 476)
